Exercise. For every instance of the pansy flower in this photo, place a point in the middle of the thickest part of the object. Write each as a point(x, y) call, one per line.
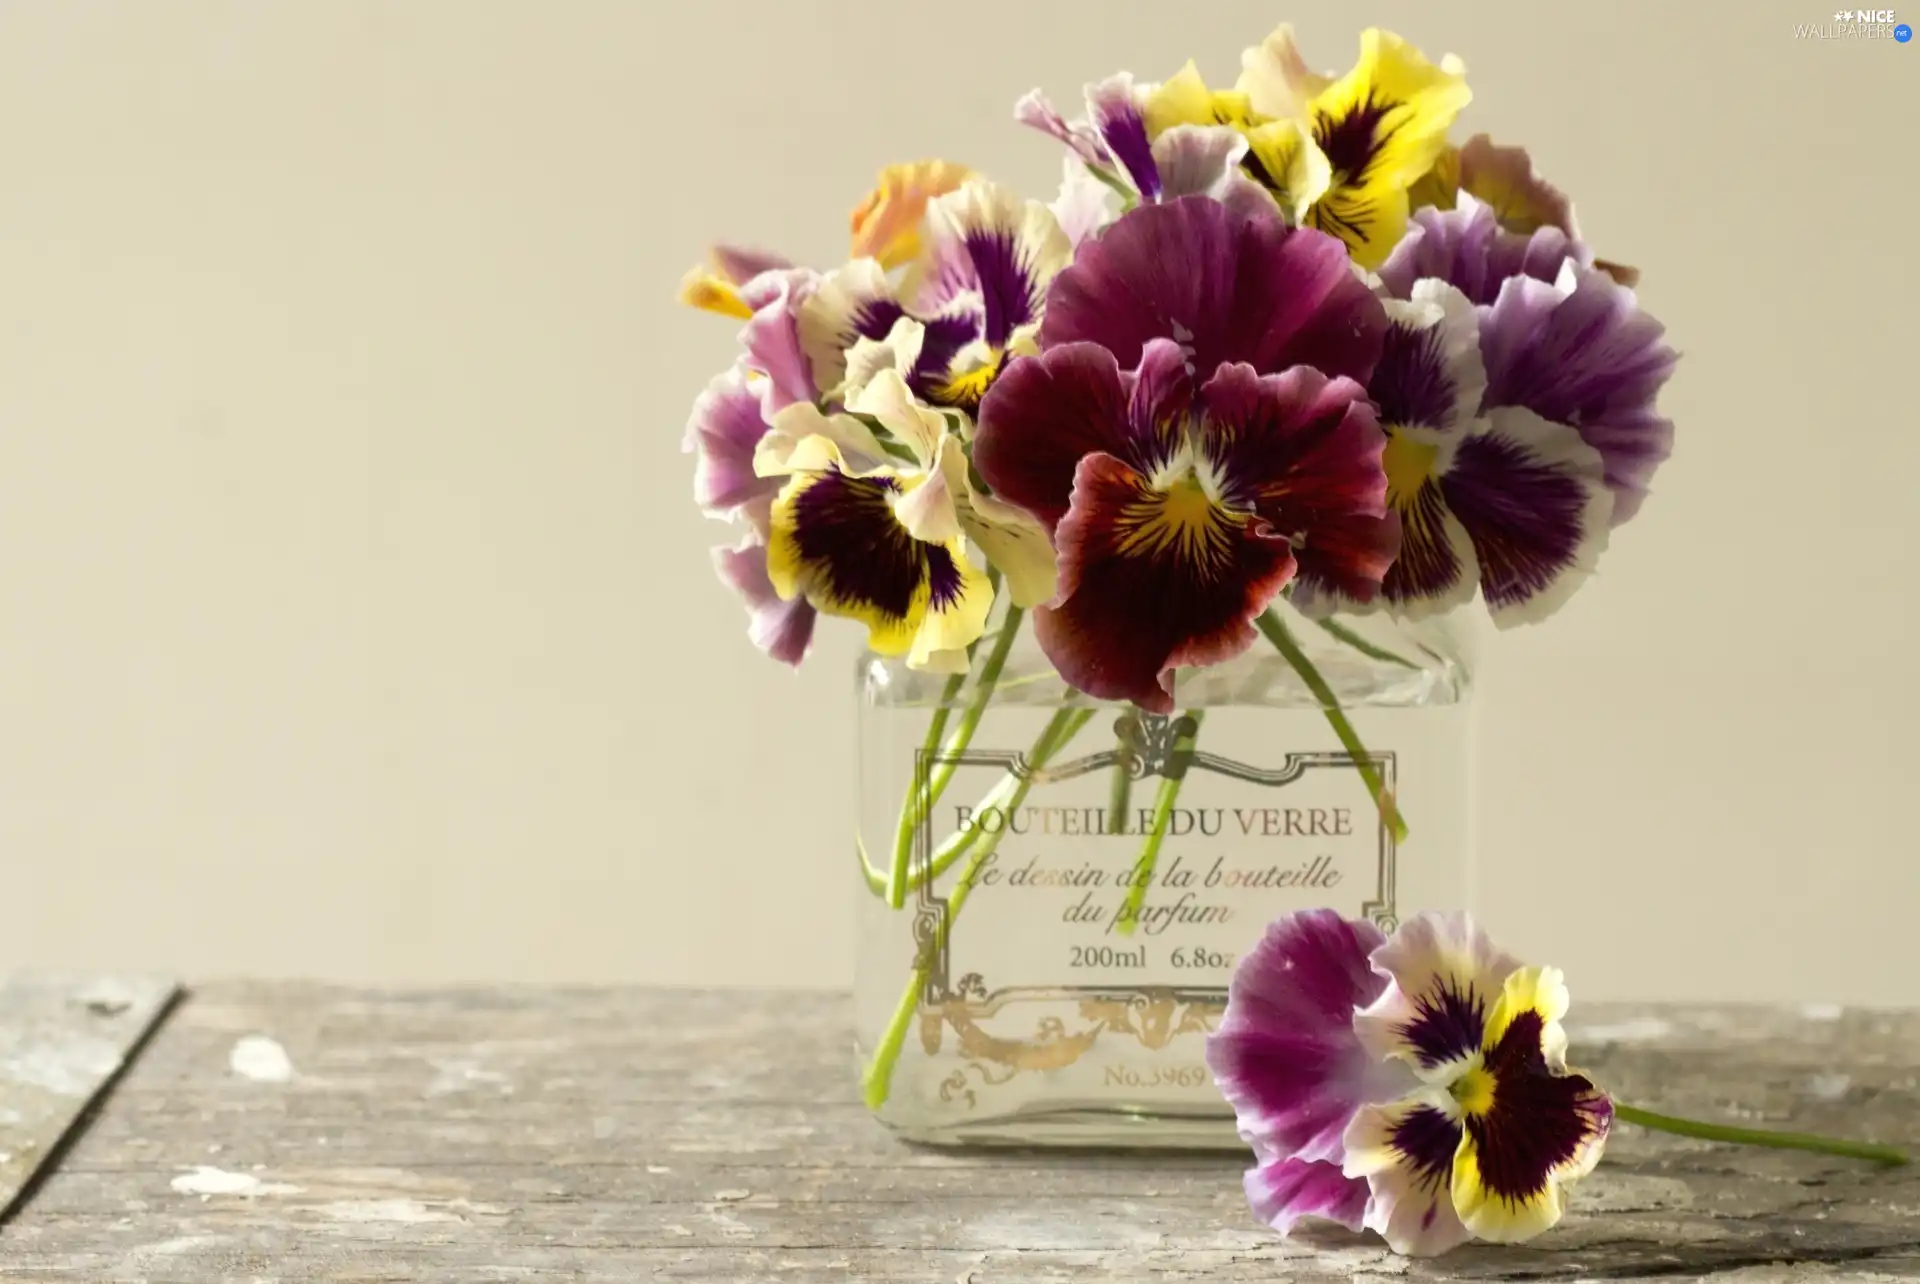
point(978, 288)
point(1192, 434)
point(1338, 154)
point(886, 224)
point(1503, 179)
point(1415, 1085)
point(718, 284)
point(885, 227)
point(1486, 1146)
point(861, 532)
point(1559, 336)
point(730, 421)
point(1504, 501)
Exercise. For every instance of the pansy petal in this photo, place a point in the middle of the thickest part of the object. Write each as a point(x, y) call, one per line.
point(899, 352)
point(1289, 165)
point(781, 628)
point(1150, 581)
point(1041, 417)
point(959, 599)
point(1439, 187)
point(1544, 1126)
point(724, 432)
point(803, 438)
point(1225, 287)
point(858, 301)
point(837, 540)
point(1437, 569)
point(1444, 977)
point(850, 303)
point(1036, 112)
point(1284, 1054)
point(1115, 109)
point(1531, 495)
point(740, 264)
point(1304, 451)
point(1503, 178)
point(984, 240)
point(1430, 381)
point(929, 508)
point(1406, 1152)
point(702, 289)
point(1015, 544)
point(771, 339)
point(1276, 79)
point(1206, 160)
point(1181, 99)
point(1287, 1191)
point(1466, 247)
point(1580, 351)
point(886, 225)
point(919, 427)
point(1084, 206)
point(1382, 126)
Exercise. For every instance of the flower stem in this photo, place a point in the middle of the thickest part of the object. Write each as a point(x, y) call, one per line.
point(1143, 869)
point(1363, 646)
point(1285, 643)
point(877, 1083)
point(1890, 1156)
point(1120, 791)
point(926, 794)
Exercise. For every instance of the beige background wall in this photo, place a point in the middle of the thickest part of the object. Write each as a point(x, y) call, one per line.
point(354, 620)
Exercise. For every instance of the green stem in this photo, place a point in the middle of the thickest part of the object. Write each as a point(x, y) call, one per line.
point(1143, 869)
point(1285, 643)
point(1120, 791)
point(926, 796)
point(1891, 1156)
point(1128, 197)
point(877, 1083)
point(1363, 646)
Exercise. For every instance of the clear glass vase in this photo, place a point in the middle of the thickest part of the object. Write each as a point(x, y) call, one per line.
point(1043, 950)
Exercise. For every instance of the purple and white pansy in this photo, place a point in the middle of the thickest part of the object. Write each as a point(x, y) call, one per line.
point(1414, 1084)
point(978, 290)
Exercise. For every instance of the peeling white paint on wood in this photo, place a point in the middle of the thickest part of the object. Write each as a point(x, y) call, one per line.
point(261, 1059)
point(205, 1181)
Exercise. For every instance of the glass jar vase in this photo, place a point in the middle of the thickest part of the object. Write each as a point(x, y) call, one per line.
point(1054, 889)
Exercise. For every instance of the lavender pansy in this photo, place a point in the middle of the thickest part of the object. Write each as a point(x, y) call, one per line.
point(1468, 249)
point(1035, 111)
point(728, 422)
point(1578, 350)
point(1502, 502)
point(781, 628)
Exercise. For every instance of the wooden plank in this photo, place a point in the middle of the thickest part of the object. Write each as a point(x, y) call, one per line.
point(62, 1039)
point(296, 1133)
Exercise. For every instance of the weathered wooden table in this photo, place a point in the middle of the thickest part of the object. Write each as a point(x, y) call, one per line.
point(280, 1132)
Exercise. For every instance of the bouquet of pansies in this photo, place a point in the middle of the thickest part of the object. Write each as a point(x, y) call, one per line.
point(1279, 339)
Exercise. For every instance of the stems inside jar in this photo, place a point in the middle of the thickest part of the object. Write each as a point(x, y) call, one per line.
point(877, 1083)
point(1281, 636)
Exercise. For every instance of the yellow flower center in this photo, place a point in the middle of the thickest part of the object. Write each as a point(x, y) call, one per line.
point(1409, 466)
point(1474, 1092)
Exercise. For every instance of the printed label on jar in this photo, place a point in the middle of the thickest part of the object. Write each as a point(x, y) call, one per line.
point(1092, 874)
